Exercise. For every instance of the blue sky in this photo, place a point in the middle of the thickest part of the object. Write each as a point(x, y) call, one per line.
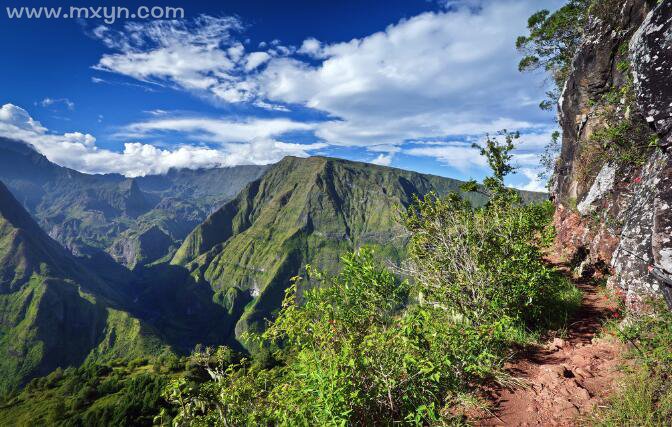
point(405, 83)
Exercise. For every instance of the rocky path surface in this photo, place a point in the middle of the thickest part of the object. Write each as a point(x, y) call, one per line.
point(567, 377)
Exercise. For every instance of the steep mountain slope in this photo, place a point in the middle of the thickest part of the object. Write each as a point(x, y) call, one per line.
point(301, 211)
point(53, 311)
point(136, 221)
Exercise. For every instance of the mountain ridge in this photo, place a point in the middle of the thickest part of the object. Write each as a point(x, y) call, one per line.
point(302, 211)
point(110, 213)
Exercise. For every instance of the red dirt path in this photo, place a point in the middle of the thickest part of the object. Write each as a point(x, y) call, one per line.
point(567, 377)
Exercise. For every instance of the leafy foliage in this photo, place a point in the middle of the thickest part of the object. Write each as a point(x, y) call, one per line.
point(552, 42)
point(121, 392)
point(623, 138)
point(303, 211)
point(549, 157)
point(486, 264)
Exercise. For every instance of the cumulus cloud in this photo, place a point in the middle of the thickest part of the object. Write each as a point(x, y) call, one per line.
point(312, 47)
point(434, 75)
point(535, 182)
point(255, 59)
point(199, 55)
point(79, 150)
point(459, 155)
point(437, 74)
point(462, 156)
point(216, 130)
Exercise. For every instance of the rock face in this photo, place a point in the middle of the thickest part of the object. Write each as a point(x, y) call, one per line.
point(613, 205)
point(652, 61)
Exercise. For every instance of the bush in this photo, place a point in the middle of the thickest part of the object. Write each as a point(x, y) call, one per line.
point(351, 354)
point(483, 264)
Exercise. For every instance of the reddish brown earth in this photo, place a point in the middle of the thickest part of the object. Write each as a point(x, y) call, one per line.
point(565, 379)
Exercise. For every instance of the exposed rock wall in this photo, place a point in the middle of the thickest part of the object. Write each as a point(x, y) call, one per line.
point(617, 211)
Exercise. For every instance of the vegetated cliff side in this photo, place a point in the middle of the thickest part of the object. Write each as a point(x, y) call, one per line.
point(613, 181)
point(54, 312)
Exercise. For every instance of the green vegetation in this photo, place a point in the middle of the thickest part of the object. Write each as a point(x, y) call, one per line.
point(552, 42)
point(645, 398)
point(308, 210)
point(548, 158)
point(554, 39)
point(137, 221)
point(303, 211)
point(364, 347)
point(120, 392)
point(623, 137)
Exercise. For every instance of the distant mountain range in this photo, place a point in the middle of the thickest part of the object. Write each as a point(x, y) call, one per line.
point(136, 221)
point(161, 263)
point(53, 310)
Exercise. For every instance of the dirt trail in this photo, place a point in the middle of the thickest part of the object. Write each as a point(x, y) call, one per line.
point(567, 377)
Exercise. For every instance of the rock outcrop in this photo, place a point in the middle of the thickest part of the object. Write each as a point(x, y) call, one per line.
point(613, 181)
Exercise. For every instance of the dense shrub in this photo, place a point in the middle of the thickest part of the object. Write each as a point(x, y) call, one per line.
point(350, 355)
point(118, 393)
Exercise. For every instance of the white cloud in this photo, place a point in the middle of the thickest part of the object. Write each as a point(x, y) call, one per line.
point(462, 156)
point(535, 182)
point(456, 154)
point(79, 150)
point(199, 55)
point(446, 75)
point(450, 72)
point(434, 75)
point(312, 47)
point(383, 159)
point(11, 115)
point(255, 59)
point(48, 102)
point(216, 130)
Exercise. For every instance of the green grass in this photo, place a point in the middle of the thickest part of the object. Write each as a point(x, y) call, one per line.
point(645, 394)
point(644, 400)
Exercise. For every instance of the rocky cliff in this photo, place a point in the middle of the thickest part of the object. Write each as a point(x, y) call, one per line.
point(613, 181)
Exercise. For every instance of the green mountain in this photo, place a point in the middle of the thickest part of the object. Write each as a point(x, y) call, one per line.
point(53, 310)
point(302, 211)
point(135, 221)
point(228, 275)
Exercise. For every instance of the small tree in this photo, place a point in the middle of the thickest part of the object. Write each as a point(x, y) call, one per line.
point(552, 43)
